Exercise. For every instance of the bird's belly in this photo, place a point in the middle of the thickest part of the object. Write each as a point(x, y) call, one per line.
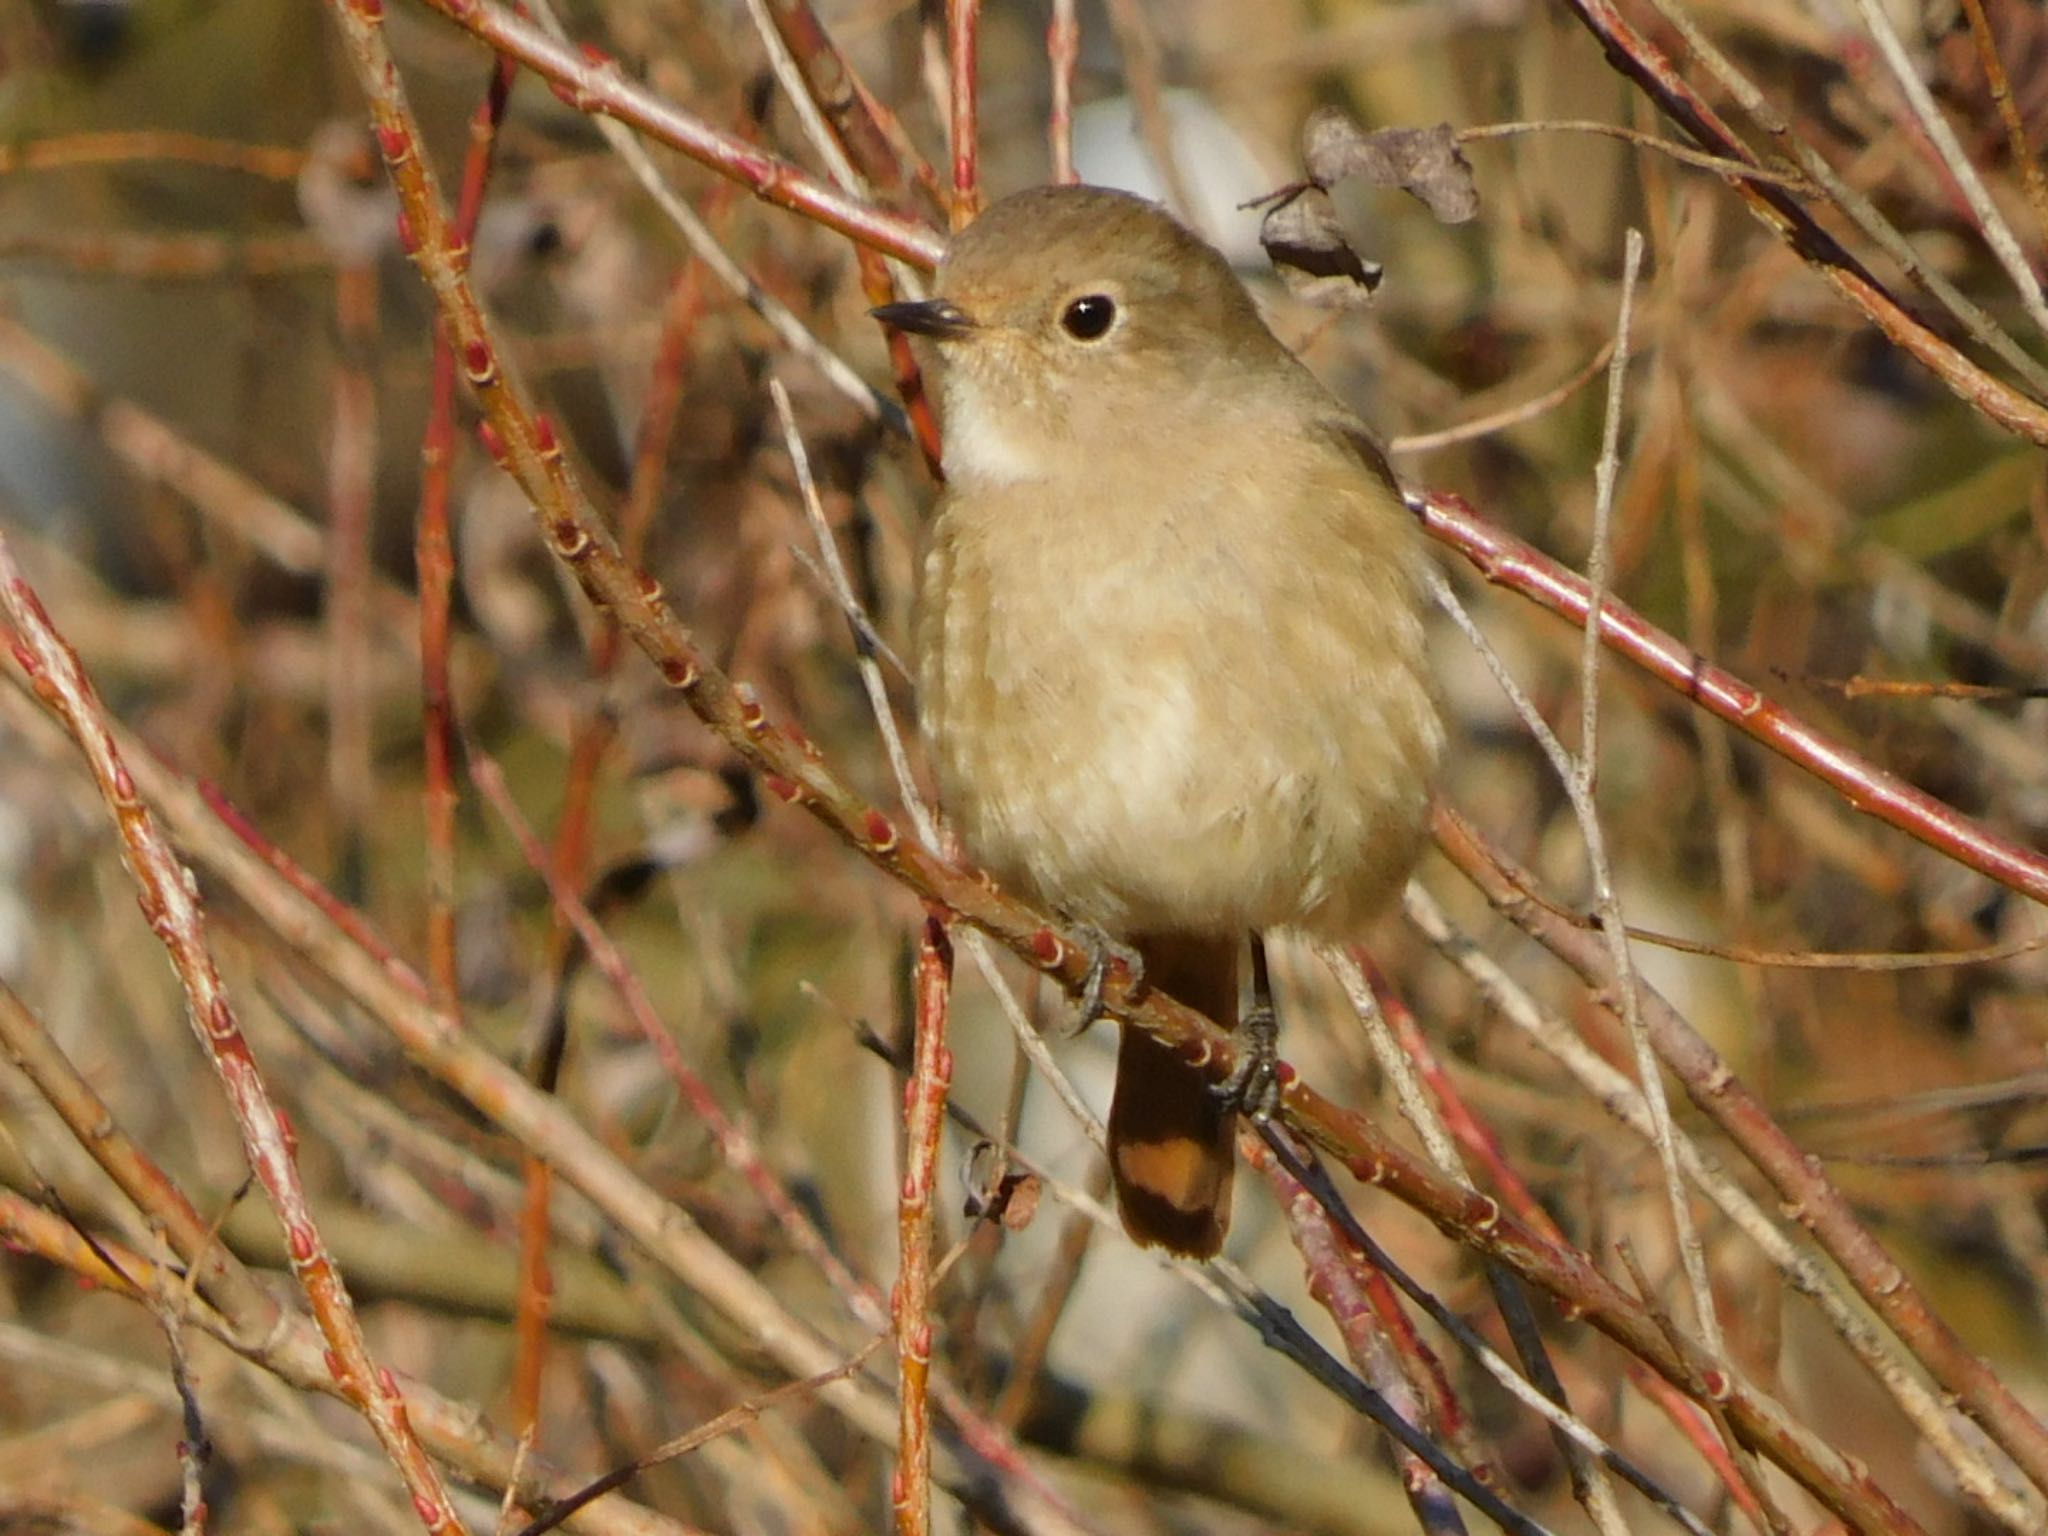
point(1120, 755)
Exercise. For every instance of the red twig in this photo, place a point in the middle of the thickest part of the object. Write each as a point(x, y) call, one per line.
point(1697, 1427)
point(1465, 1127)
point(168, 894)
point(1507, 561)
point(434, 568)
point(917, 405)
point(1063, 53)
point(361, 932)
point(924, 1122)
point(963, 54)
point(434, 564)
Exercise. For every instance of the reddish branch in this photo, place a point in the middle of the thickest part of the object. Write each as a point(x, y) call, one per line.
point(435, 568)
point(857, 120)
point(1478, 1140)
point(1063, 53)
point(924, 1122)
point(963, 54)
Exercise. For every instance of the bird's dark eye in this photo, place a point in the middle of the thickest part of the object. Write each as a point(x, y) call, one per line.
point(1089, 317)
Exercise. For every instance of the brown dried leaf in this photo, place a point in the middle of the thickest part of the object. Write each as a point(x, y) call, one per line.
point(1312, 254)
point(1423, 161)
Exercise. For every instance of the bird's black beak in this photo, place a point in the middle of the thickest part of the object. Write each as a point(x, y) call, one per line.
point(940, 319)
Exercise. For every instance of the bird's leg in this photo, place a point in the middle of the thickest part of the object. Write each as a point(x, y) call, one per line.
point(1253, 1087)
point(1102, 949)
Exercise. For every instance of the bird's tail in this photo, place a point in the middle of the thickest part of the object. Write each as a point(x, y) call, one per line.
point(1170, 1139)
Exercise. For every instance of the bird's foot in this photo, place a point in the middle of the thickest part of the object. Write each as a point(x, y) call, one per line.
point(1253, 1087)
point(1102, 951)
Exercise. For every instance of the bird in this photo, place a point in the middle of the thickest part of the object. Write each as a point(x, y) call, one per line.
point(1172, 664)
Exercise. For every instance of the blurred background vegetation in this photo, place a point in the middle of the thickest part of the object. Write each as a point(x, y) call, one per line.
point(214, 380)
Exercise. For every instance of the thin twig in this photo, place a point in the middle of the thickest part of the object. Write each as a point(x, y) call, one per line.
point(351, 493)
point(797, 88)
point(1063, 53)
point(1512, 416)
point(734, 1418)
point(1613, 927)
point(1744, 170)
point(842, 589)
point(434, 567)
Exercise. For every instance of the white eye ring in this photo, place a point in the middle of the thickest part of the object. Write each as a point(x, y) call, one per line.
point(1089, 317)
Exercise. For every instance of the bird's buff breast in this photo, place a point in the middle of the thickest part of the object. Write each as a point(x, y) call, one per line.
point(1140, 729)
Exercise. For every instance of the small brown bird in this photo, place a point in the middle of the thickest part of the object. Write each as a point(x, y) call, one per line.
point(1170, 645)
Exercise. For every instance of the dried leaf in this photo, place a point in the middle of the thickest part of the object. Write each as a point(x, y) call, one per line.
point(1312, 254)
point(1423, 161)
